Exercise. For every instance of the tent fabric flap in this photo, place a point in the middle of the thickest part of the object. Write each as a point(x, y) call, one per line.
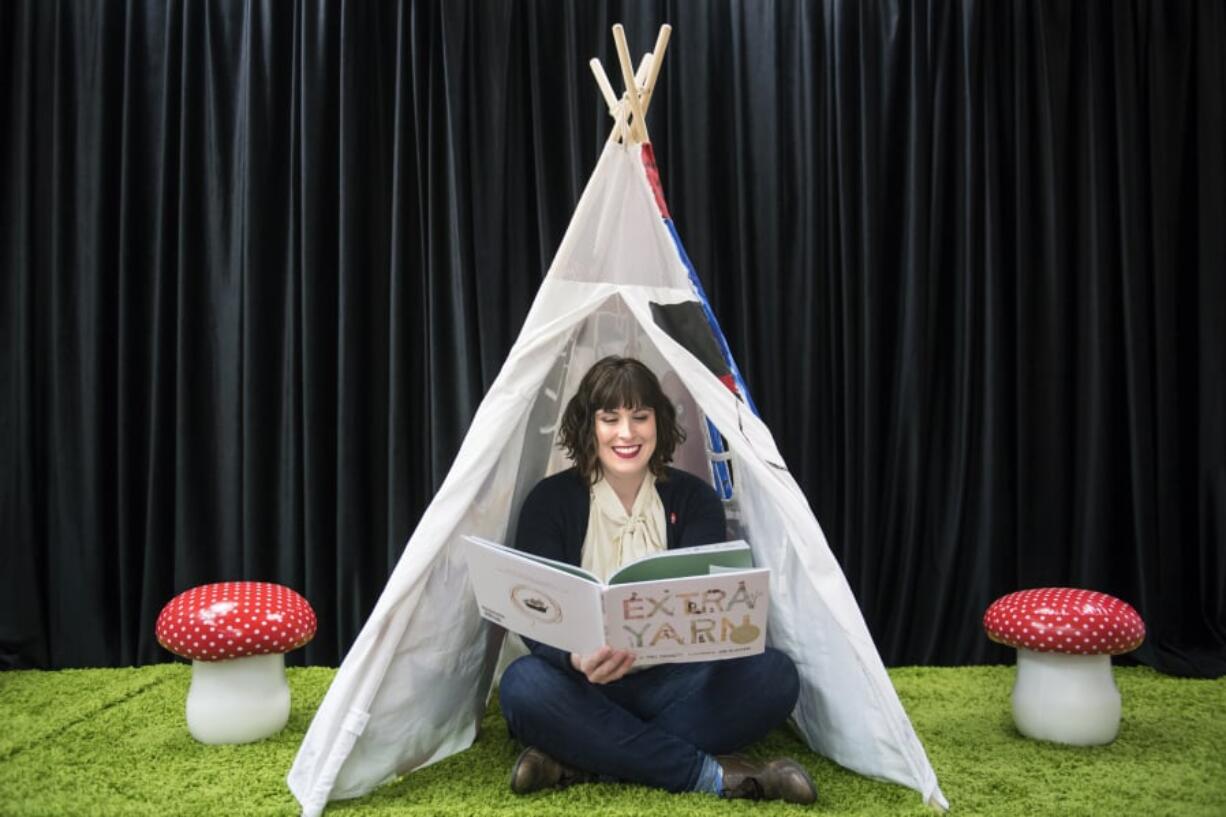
point(414, 686)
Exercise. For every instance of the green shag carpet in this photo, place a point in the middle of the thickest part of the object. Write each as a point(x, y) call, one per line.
point(114, 742)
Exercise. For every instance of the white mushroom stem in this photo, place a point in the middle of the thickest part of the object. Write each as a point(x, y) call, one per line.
point(1066, 698)
point(238, 700)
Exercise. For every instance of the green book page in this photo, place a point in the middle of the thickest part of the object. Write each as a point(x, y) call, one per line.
point(675, 564)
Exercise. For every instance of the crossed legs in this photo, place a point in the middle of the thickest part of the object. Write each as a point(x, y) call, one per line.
point(653, 727)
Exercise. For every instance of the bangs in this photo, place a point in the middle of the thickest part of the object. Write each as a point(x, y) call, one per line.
point(623, 388)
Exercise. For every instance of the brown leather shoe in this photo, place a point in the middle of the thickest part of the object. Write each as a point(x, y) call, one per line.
point(779, 779)
point(534, 770)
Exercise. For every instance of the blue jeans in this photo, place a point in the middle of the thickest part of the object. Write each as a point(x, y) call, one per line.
point(651, 727)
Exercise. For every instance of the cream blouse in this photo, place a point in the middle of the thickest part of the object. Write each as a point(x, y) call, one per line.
point(614, 537)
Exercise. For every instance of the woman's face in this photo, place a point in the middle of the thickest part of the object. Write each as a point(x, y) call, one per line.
point(625, 441)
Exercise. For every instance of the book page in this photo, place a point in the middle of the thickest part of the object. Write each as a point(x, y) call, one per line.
point(691, 561)
point(534, 599)
point(697, 618)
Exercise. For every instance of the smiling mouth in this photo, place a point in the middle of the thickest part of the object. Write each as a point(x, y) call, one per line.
point(627, 452)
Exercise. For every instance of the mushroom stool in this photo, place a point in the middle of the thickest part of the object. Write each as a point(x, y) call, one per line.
point(1065, 638)
point(236, 634)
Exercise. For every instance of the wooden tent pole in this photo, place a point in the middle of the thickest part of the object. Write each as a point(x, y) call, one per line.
point(638, 128)
point(640, 77)
point(657, 60)
point(611, 100)
point(606, 87)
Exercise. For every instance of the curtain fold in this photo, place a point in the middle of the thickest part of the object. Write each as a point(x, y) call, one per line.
point(261, 260)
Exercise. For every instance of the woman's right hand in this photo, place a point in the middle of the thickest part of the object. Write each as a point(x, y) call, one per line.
point(603, 666)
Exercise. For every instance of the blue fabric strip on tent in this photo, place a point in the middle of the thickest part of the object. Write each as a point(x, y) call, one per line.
point(720, 470)
point(706, 308)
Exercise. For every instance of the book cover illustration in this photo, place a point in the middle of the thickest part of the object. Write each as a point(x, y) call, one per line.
point(697, 618)
point(536, 603)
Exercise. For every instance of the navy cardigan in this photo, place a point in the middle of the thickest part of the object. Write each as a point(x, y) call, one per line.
point(553, 524)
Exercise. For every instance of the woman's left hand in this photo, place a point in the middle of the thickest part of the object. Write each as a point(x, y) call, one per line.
point(604, 666)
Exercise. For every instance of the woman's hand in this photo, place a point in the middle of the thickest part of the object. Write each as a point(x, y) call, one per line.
point(603, 666)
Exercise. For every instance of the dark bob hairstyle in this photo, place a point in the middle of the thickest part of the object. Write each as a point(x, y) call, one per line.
point(614, 383)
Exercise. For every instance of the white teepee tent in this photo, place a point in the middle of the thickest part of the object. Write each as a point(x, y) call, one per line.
point(414, 686)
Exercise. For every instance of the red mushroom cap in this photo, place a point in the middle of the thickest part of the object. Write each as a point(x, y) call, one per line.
point(214, 622)
point(1064, 619)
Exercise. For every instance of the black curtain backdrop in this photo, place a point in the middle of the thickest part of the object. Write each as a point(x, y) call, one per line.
point(261, 260)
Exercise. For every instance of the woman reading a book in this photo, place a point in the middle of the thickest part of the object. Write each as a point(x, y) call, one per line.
point(597, 716)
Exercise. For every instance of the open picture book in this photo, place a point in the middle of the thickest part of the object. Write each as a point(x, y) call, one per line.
point(688, 604)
